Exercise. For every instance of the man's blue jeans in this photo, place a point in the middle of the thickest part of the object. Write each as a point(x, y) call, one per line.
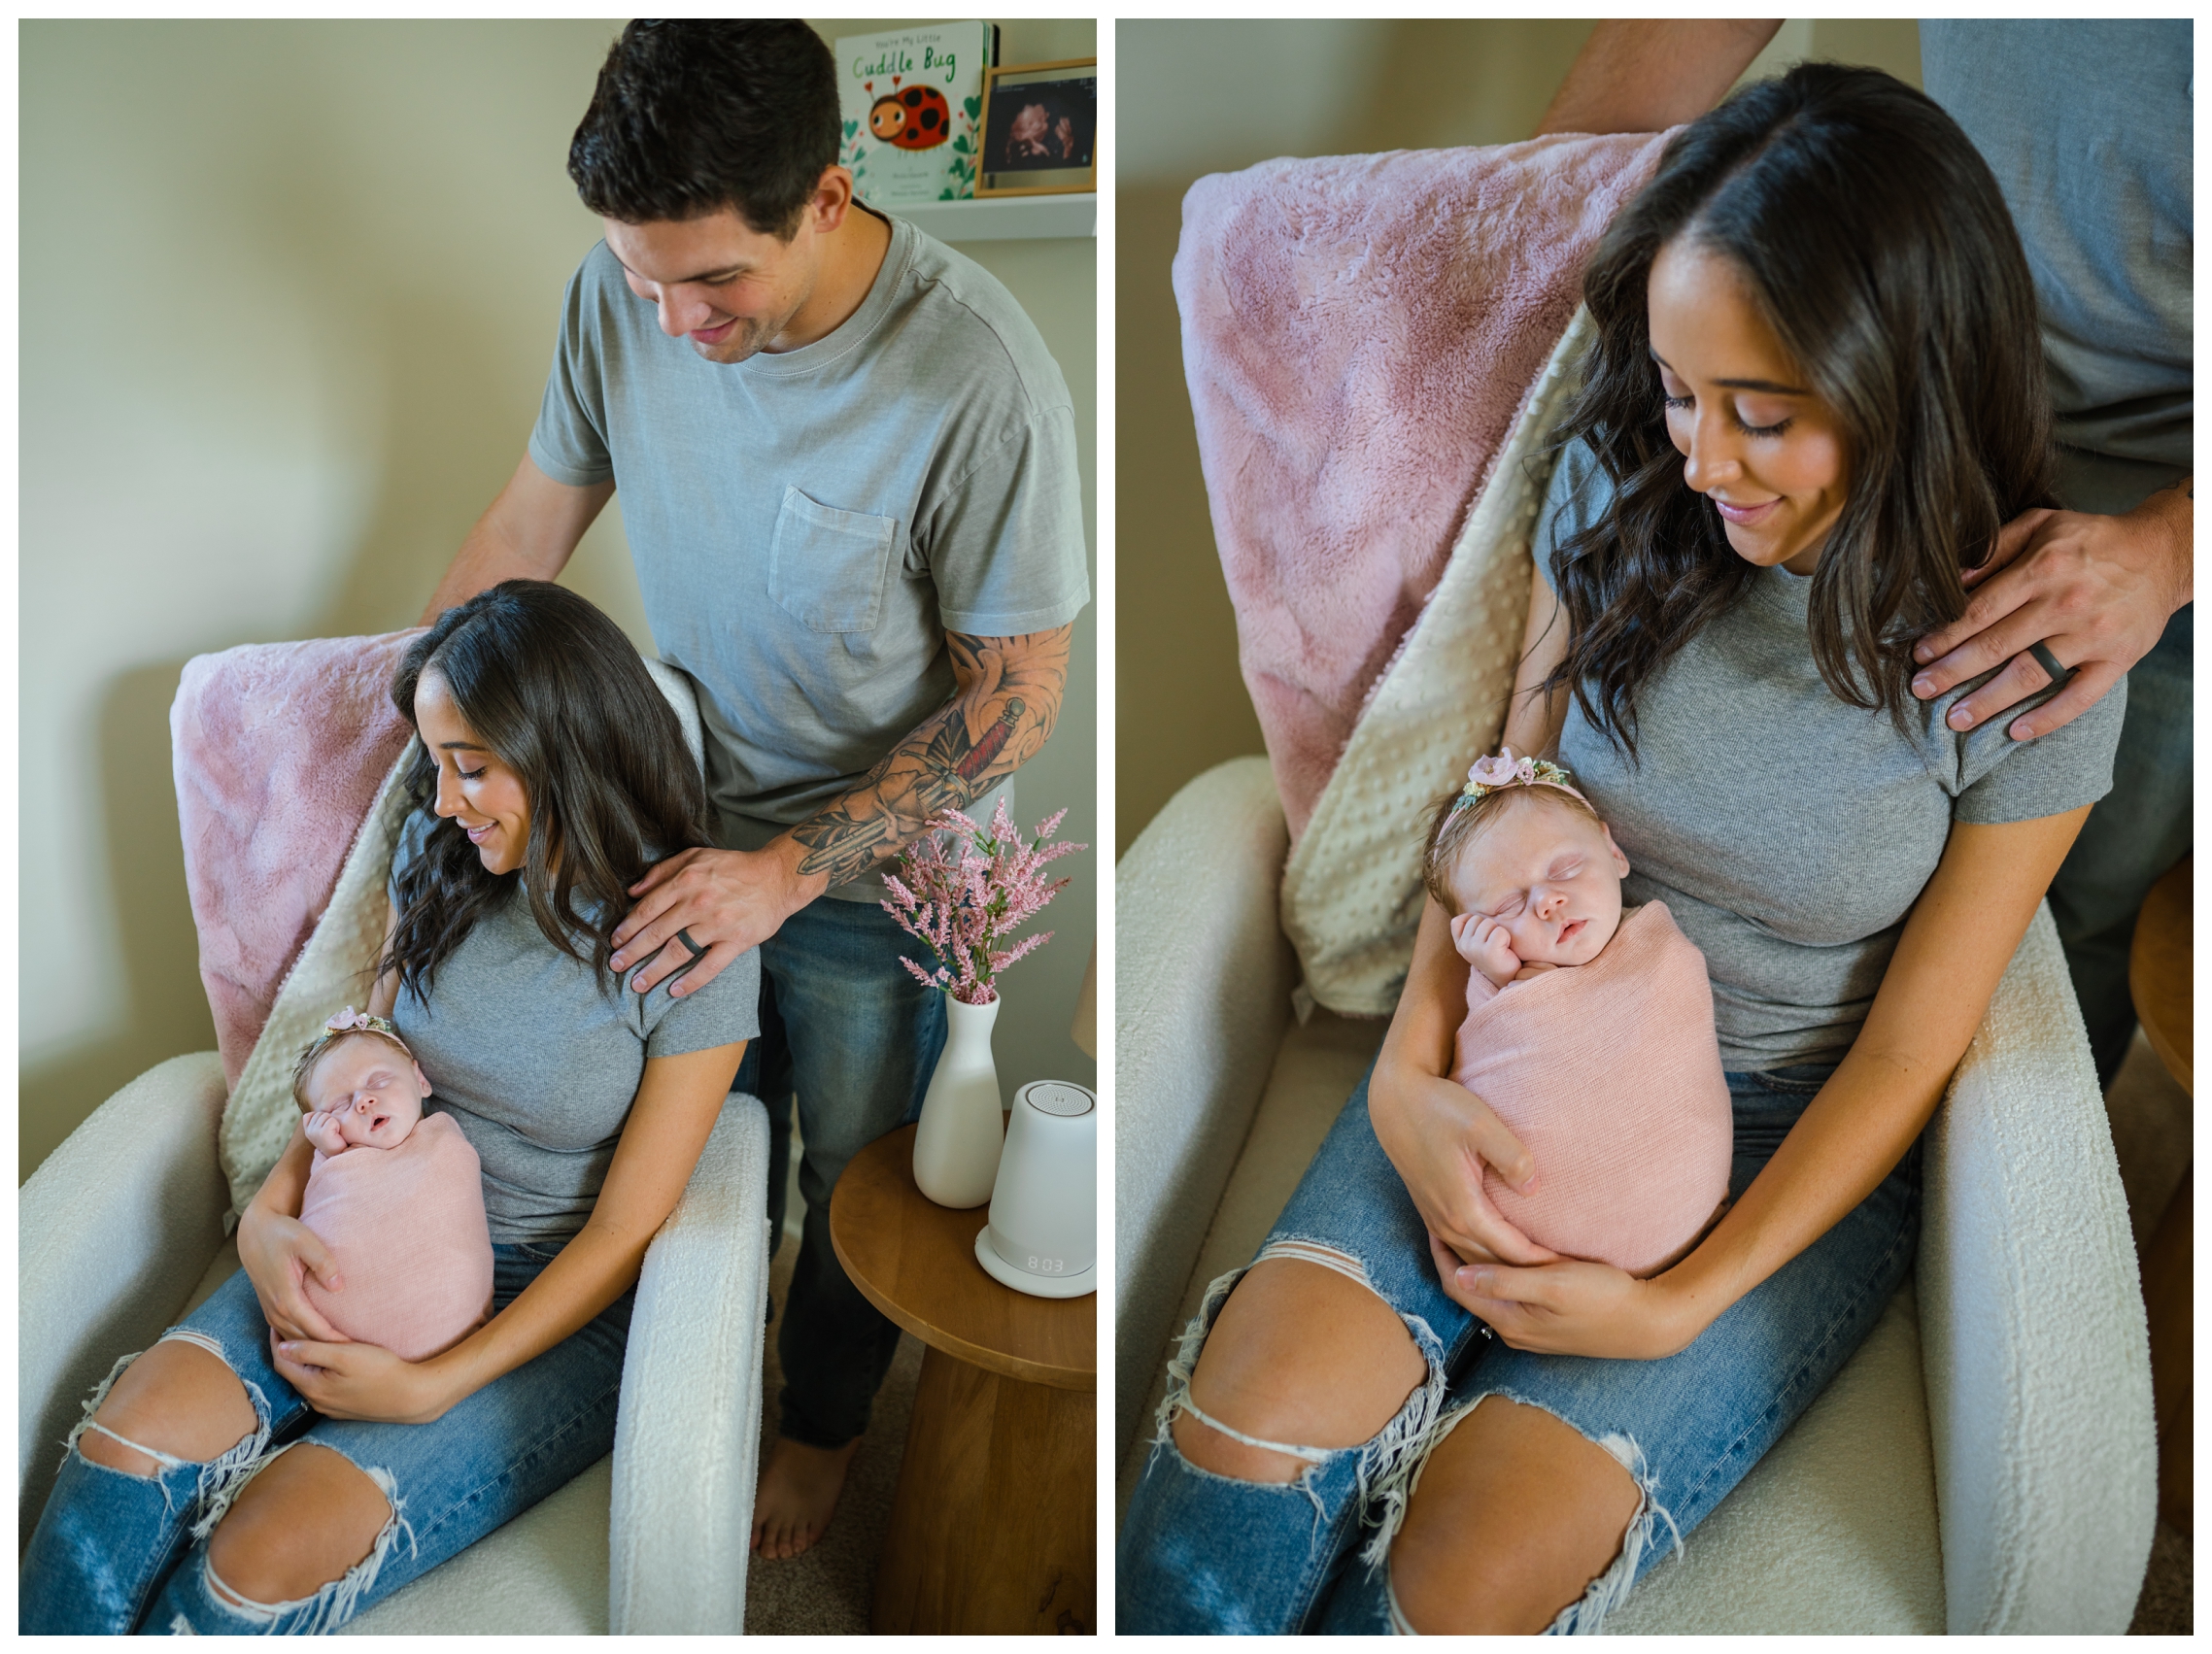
point(2137, 832)
point(847, 1032)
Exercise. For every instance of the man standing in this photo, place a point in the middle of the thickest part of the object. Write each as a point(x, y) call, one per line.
point(848, 475)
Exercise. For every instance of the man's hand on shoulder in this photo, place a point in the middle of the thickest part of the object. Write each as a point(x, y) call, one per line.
point(726, 901)
point(2095, 591)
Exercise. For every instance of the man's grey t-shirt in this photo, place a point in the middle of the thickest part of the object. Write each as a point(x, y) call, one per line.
point(2087, 125)
point(539, 1062)
point(807, 525)
point(1790, 834)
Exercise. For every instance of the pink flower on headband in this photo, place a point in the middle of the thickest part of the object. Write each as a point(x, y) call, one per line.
point(1492, 774)
point(351, 1021)
point(1503, 770)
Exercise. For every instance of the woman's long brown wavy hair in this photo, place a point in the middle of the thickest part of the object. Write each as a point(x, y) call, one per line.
point(554, 689)
point(1877, 245)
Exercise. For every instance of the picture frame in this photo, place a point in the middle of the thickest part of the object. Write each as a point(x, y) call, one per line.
point(1039, 133)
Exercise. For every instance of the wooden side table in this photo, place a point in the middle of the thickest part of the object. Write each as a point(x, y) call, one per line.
point(994, 1527)
point(2162, 979)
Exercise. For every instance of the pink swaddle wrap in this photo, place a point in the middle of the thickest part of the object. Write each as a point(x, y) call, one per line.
point(1609, 1075)
point(407, 1227)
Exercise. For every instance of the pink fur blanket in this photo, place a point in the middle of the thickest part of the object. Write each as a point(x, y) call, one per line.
point(1609, 1075)
point(279, 750)
point(406, 1227)
point(1358, 333)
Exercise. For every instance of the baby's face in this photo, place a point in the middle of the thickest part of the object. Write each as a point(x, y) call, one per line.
point(370, 1087)
point(1549, 875)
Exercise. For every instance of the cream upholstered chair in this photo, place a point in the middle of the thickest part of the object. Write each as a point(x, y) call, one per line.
point(1985, 1462)
point(122, 1229)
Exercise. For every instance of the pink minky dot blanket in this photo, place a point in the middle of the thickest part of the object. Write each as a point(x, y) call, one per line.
point(1609, 1075)
point(1359, 334)
point(407, 1227)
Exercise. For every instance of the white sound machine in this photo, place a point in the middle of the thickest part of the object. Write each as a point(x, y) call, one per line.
point(1042, 1236)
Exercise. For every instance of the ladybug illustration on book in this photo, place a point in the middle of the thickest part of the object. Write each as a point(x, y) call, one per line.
point(917, 117)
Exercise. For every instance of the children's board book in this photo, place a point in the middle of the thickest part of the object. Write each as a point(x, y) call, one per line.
point(911, 101)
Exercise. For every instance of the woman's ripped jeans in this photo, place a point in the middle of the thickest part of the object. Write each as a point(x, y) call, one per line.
point(1202, 1552)
point(114, 1553)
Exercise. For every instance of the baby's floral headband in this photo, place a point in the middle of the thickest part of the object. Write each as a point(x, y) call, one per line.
point(349, 1021)
point(1495, 774)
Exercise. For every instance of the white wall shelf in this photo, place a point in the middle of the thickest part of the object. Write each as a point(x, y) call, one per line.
point(1004, 217)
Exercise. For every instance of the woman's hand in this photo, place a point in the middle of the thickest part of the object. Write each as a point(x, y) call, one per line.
point(279, 1253)
point(362, 1382)
point(1567, 1307)
point(1439, 1135)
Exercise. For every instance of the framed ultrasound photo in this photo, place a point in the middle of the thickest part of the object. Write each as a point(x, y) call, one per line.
point(1040, 129)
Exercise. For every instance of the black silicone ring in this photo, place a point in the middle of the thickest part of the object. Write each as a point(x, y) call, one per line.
point(2059, 675)
point(685, 937)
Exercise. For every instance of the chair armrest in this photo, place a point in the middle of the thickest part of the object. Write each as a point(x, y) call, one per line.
point(2034, 1348)
point(688, 1435)
point(113, 1231)
point(1203, 976)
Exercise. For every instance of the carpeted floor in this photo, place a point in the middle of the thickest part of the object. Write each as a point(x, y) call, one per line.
point(826, 1591)
point(2151, 1131)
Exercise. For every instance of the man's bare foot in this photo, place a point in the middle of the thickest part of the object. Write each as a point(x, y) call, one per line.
point(797, 1495)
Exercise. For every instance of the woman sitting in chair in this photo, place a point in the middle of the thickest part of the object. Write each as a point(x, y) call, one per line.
point(1816, 394)
point(252, 1472)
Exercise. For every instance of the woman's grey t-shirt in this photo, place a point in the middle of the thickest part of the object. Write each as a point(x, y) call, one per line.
point(537, 1063)
point(1790, 834)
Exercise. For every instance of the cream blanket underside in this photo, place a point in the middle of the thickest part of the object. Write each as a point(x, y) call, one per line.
point(1352, 891)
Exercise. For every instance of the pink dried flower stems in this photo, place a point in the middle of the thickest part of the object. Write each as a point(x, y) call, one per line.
point(965, 891)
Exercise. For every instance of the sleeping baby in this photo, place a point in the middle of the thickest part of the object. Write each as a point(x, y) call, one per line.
point(397, 1195)
point(1589, 1033)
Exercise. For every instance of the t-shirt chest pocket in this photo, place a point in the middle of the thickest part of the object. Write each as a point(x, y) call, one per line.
point(827, 567)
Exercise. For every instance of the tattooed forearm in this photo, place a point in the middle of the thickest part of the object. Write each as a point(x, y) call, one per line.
point(1003, 710)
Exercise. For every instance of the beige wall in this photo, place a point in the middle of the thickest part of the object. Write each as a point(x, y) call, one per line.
point(1197, 97)
point(288, 292)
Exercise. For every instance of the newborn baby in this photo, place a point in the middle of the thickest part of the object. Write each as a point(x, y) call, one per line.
point(397, 1197)
point(1587, 1033)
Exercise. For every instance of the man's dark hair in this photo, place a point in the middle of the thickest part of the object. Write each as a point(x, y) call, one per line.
point(694, 118)
point(1873, 235)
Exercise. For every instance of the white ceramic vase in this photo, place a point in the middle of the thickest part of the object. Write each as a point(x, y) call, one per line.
point(955, 1149)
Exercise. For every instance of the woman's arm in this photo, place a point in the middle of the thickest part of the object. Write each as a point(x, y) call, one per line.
point(1534, 719)
point(1436, 1131)
point(1960, 935)
point(278, 1251)
point(679, 1101)
point(384, 993)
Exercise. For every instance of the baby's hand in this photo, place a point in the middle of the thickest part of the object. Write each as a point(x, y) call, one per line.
point(1487, 945)
point(322, 1130)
